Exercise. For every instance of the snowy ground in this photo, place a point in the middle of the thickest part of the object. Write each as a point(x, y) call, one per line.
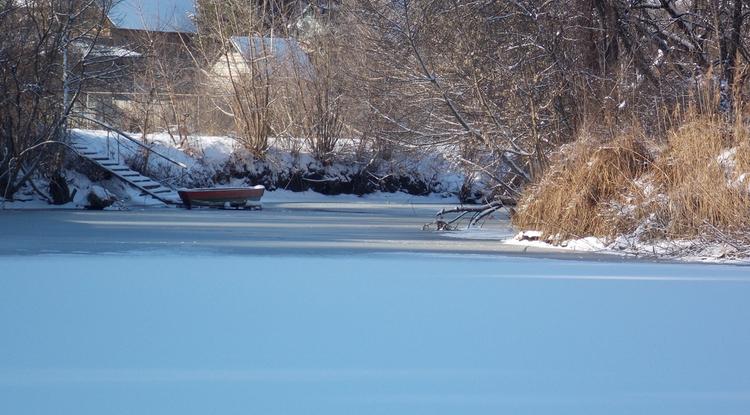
point(314, 308)
point(212, 161)
point(631, 247)
point(221, 162)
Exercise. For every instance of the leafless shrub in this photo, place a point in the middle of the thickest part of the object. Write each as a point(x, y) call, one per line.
point(316, 104)
point(45, 47)
point(249, 61)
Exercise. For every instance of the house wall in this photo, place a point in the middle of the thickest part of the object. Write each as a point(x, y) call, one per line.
point(155, 88)
point(275, 70)
point(164, 62)
point(229, 66)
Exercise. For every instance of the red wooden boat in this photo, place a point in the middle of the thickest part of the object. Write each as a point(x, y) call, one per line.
point(235, 197)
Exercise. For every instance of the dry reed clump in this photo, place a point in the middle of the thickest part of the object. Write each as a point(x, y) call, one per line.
point(580, 192)
point(696, 186)
point(701, 182)
point(742, 160)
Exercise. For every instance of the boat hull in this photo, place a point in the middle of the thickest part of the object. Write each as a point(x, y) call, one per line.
point(223, 197)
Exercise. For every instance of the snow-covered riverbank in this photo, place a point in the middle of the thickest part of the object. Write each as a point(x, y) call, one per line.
point(687, 251)
point(204, 161)
point(219, 162)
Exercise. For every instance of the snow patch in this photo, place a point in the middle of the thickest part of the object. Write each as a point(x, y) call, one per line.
point(626, 245)
point(529, 236)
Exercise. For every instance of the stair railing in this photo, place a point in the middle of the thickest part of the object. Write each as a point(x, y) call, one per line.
point(129, 138)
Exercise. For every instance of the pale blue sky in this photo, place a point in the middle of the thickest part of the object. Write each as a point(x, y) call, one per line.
point(164, 15)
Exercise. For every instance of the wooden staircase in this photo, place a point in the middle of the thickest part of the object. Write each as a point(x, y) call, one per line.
point(146, 185)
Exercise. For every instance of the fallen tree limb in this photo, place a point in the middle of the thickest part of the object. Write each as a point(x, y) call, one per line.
point(478, 213)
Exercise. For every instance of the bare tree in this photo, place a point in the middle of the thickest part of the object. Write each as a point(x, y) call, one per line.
point(45, 49)
point(502, 84)
point(237, 41)
point(486, 80)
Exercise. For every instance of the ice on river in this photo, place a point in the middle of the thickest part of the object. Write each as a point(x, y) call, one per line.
point(350, 310)
point(370, 334)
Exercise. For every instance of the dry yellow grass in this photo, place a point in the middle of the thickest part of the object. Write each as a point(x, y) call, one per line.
point(681, 190)
point(701, 193)
point(742, 158)
point(576, 196)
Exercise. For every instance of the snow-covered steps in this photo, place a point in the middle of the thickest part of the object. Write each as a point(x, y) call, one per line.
point(146, 185)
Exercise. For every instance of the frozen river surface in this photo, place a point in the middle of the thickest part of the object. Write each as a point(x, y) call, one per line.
point(350, 309)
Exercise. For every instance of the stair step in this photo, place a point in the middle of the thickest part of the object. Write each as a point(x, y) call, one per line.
point(147, 185)
point(160, 193)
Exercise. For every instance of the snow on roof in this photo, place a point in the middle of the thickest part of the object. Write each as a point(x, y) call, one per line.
point(154, 15)
point(285, 51)
point(104, 51)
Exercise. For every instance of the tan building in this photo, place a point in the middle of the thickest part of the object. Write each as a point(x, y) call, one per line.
point(276, 59)
point(145, 49)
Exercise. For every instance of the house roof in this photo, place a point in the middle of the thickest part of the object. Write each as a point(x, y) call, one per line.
point(285, 51)
point(154, 15)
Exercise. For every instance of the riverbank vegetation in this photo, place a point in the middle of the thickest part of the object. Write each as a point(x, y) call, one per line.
point(692, 184)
